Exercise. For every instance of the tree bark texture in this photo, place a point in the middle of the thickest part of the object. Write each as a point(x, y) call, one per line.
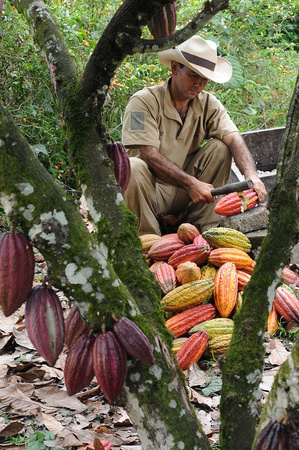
point(242, 372)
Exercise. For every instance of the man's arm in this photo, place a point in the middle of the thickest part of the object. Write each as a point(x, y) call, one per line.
point(245, 162)
point(167, 171)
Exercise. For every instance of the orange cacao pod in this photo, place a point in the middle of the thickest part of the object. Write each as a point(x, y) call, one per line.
point(192, 350)
point(75, 326)
point(133, 340)
point(45, 322)
point(165, 247)
point(78, 370)
point(163, 23)
point(16, 271)
point(272, 321)
point(226, 289)
point(182, 322)
point(187, 271)
point(249, 269)
point(243, 279)
point(219, 256)
point(166, 277)
point(191, 252)
point(286, 304)
point(109, 364)
point(187, 232)
point(121, 162)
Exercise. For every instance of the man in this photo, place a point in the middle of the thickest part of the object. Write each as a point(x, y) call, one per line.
point(163, 129)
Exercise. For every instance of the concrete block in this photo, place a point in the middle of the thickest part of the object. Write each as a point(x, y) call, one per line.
point(252, 220)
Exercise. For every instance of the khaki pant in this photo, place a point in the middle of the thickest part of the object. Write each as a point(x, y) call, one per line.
point(147, 197)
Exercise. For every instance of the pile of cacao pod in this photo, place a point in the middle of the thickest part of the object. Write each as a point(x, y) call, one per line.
point(202, 278)
point(278, 434)
point(103, 356)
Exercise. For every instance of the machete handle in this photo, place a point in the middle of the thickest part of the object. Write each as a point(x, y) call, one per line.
point(233, 187)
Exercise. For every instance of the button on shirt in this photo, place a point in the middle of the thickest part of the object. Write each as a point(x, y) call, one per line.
point(151, 119)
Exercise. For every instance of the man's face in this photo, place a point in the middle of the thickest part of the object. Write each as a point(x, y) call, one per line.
point(189, 83)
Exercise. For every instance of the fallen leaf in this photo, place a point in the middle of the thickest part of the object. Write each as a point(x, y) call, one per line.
point(11, 429)
point(195, 376)
point(278, 354)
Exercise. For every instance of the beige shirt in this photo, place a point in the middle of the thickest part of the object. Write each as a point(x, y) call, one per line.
point(151, 119)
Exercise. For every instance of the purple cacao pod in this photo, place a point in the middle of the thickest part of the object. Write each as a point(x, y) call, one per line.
point(121, 161)
point(16, 271)
point(163, 23)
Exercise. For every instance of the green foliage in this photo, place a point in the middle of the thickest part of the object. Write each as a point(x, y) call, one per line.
point(36, 442)
point(259, 38)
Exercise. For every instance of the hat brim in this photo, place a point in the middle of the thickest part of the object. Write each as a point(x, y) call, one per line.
point(221, 74)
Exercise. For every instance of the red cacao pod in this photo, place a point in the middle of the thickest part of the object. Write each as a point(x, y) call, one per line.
point(109, 364)
point(45, 322)
point(286, 304)
point(16, 271)
point(166, 277)
point(163, 22)
point(121, 161)
point(165, 247)
point(187, 232)
point(133, 340)
point(192, 350)
point(236, 202)
point(78, 370)
point(191, 252)
point(74, 327)
point(200, 240)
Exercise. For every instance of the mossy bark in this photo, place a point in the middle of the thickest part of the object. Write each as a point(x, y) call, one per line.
point(242, 372)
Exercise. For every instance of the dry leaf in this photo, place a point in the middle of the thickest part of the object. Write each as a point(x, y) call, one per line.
point(10, 429)
point(278, 354)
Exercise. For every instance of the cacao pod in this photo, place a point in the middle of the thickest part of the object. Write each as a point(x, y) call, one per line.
point(286, 304)
point(109, 364)
point(219, 256)
point(147, 241)
point(188, 295)
point(191, 252)
point(163, 23)
point(272, 321)
point(153, 267)
point(78, 370)
point(188, 271)
point(45, 322)
point(243, 279)
point(192, 350)
point(236, 202)
point(226, 289)
point(220, 237)
point(166, 277)
point(182, 322)
point(177, 343)
point(289, 277)
point(200, 240)
point(165, 247)
point(121, 162)
point(208, 271)
point(133, 340)
point(16, 271)
point(75, 326)
point(187, 232)
point(273, 437)
point(215, 327)
point(219, 344)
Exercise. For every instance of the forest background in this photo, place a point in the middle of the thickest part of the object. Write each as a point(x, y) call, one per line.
point(259, 38)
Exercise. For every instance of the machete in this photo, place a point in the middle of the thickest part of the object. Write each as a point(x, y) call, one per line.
point(233, 187)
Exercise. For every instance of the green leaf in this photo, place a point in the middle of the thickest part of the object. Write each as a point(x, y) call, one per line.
point(213, 384)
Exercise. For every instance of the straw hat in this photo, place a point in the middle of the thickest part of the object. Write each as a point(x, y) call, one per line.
point(199, 55)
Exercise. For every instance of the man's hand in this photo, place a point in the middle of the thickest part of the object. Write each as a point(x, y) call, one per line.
point(169, 172)
point(245, 162)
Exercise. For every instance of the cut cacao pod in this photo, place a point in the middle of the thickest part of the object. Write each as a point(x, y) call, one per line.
point(236, 202)
point(187, 232)
point(133, 340)
point(182, 322)
point(188, 271)
point(45, 322)
point(163, 23)
point(188, 295)
point(226, 289)
point(78, 370)
point(191, 252)
point(121, 162)
point(75, 326)
point(286, 304)
point(220, 237)
point(192, 350)
point(208, 271)
point(166, 277)
point(109, 364)
point(16, 271)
